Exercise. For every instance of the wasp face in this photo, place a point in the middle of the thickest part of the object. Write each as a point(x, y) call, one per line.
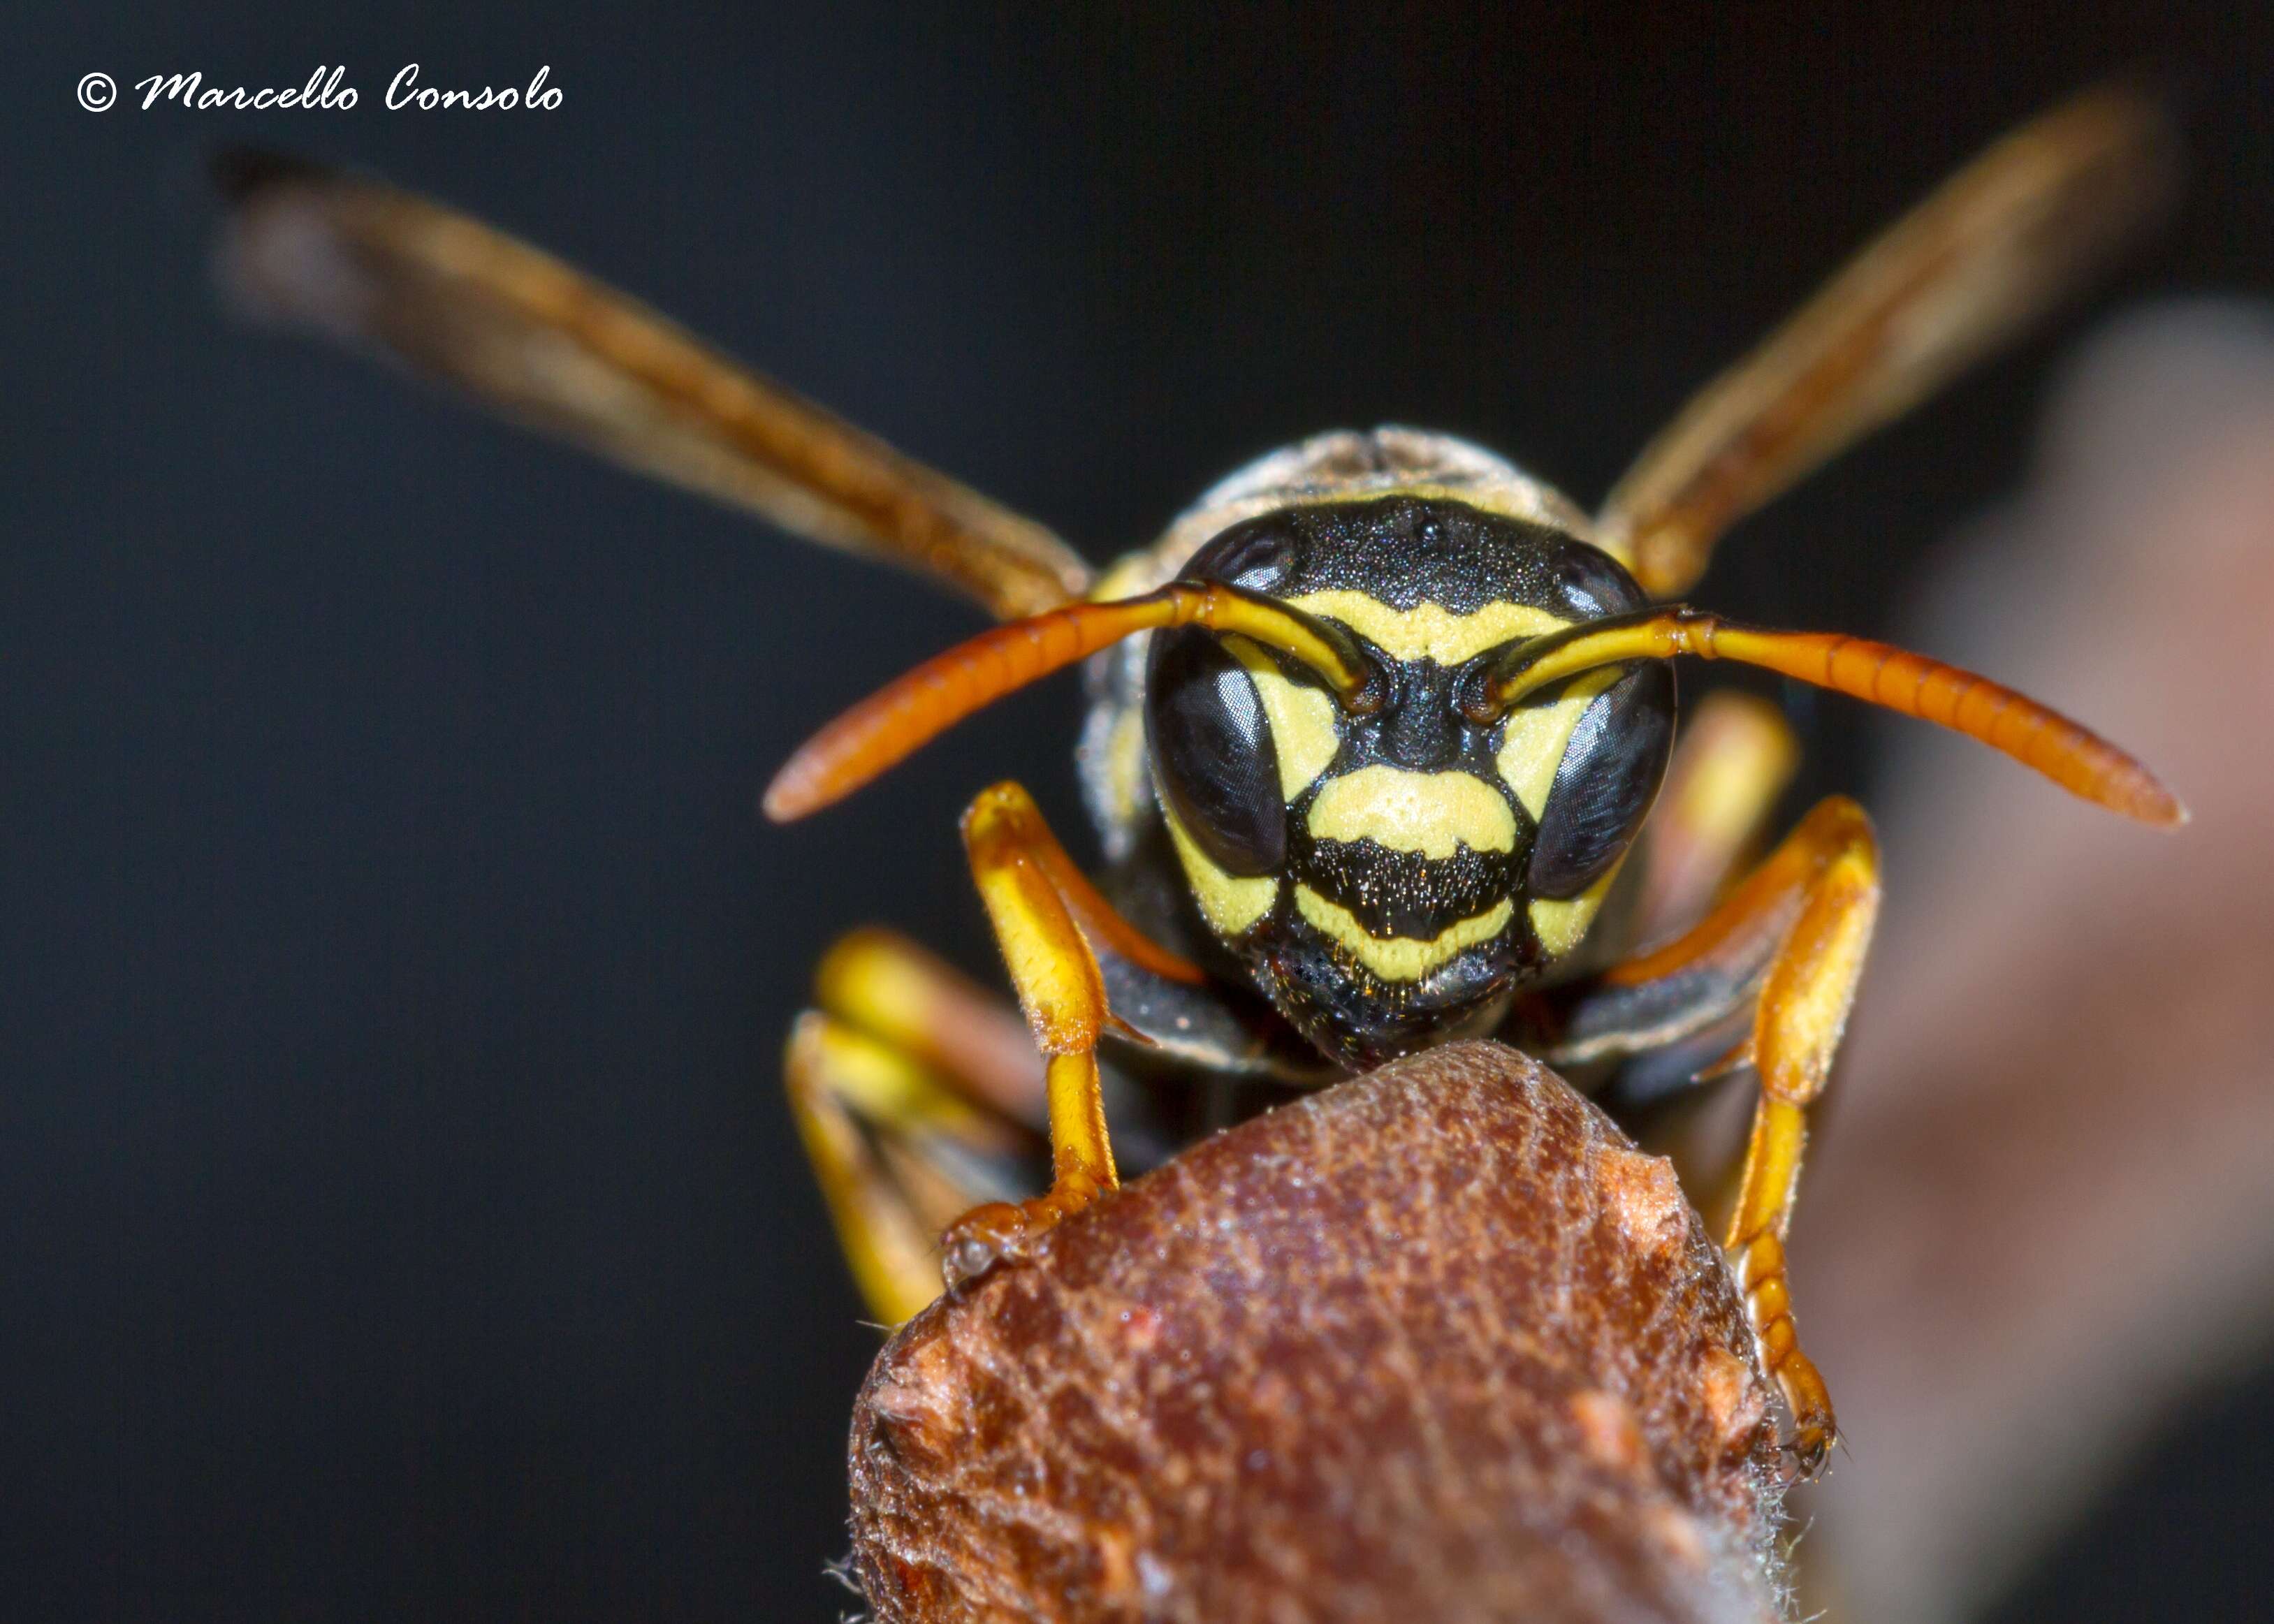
point(1390, 878)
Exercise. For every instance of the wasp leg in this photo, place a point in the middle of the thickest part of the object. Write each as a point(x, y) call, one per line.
point(1805, 916)
point(898, 1151)
point(912, 1088)
point(888, 987)
point(1735, 758)
point(1032, 892)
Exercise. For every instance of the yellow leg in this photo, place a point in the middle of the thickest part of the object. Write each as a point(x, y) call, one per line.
point(1016, 863)
point(887, 986)
point(918, 1095)
point(1820, 893)
point(1736, 755)
point(897, 1153)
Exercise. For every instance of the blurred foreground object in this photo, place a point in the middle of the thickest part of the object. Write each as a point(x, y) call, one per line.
point(1435, 1344)
point(2044, 1213)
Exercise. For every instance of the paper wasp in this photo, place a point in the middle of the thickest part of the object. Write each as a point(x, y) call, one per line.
point(1375, 725)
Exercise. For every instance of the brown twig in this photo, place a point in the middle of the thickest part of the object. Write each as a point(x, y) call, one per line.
point(1436, 1344)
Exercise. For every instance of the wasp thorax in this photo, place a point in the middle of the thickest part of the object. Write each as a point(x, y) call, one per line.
point(1391, 873)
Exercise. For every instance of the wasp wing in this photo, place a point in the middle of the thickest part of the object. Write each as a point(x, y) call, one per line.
point(521, 332)
point(2001, 240)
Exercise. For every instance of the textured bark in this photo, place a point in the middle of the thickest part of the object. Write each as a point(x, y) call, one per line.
point(1436, 1344)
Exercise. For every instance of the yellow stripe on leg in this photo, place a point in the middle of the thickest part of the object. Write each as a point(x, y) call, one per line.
point(886, 1244)
point(1819, 892)
point(1057, 980)
point(1014, 856)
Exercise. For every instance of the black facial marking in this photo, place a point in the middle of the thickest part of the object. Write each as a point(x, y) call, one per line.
point(1407, 550)
point(1211, 742)
point(1360, 1020)
point(1395, 894)
point(1419, 728)
point(1605, 785)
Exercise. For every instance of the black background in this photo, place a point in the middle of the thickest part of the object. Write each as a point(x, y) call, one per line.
point(400, 1214)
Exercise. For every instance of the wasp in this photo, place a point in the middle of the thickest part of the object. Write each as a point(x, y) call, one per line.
point(1376, 730)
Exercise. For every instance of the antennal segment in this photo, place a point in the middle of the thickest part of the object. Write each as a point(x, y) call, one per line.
point(897, 720)
point(2073, 757)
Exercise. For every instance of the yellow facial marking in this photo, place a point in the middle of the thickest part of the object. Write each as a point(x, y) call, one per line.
point(1563, 926)
point(1431, 813)
point(1302, 718)
point(1400, 959)
point(1532, 747)
point(1230, 903)
point(1427, 631)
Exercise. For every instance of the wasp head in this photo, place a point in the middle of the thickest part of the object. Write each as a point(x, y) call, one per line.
point(1391, 872)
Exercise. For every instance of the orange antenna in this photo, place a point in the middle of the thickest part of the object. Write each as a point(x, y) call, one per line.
point(897, 720)
point(2077, 759)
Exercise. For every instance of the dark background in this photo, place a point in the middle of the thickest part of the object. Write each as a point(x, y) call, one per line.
point(400, 1214)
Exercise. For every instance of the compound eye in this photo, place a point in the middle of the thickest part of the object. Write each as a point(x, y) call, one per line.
point(1605, 785)
point(1212, 748)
